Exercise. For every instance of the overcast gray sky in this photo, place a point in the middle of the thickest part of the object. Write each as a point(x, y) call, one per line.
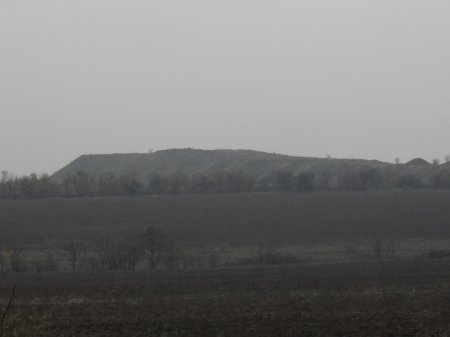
point(362, 78)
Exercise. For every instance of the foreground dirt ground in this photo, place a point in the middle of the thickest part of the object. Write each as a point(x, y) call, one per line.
point(402, 298)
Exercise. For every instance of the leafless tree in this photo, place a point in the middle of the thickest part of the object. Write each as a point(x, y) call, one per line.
point(117, 255)
point(76, 253)
point(157, 244)
point(49, 262)
point(103, 250)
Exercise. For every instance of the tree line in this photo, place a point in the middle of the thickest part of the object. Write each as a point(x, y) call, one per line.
point(152, 249)
point(82, 184)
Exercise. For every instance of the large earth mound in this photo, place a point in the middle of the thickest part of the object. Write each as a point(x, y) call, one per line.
point(192, 161)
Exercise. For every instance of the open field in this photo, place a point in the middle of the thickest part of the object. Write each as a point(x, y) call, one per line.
point(406, 298)
point(333, 283)
point(235, 219)
point(334, 226)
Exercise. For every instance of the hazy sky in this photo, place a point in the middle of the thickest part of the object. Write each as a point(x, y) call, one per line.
point(361, 78)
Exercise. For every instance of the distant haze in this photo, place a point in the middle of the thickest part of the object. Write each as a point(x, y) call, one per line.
point(352, 79)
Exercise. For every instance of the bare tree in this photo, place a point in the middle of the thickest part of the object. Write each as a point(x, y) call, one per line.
point(132, 254)
point(50, 261)
point(157, 244)
point(76, 253)
point(80, 184)
point(117, 255)
point(103, 250)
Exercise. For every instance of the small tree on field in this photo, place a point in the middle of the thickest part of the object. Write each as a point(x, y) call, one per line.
point(157, 244)
point(117, 254)
point(76, 253)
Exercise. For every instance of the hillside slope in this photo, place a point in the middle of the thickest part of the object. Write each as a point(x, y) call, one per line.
point(258, 165)
point(192, 161)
